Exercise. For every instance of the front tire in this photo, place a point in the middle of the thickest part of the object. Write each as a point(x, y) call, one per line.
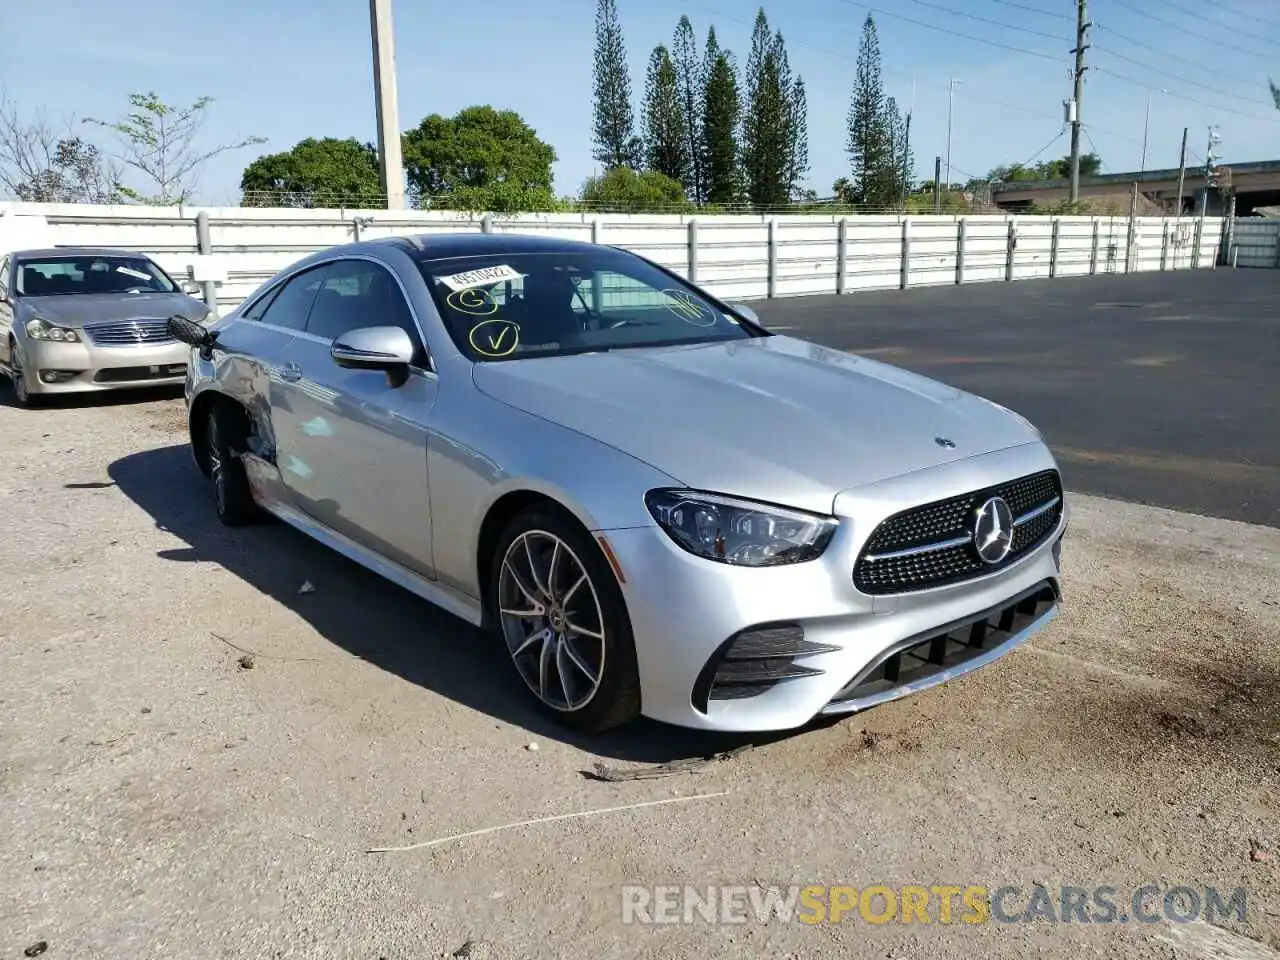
point(18, 378)
point(558, 608)
point(232, 499)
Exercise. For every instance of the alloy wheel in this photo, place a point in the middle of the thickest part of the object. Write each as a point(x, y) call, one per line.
point(551, 620)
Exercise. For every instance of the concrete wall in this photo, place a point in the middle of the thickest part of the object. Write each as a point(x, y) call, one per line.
point(735, 257)
point(1255, 242)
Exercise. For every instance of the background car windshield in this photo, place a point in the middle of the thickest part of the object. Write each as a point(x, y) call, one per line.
point(517, 305)
point(63, 276)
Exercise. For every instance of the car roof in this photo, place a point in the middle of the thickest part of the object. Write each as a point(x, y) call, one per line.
point(444, 246)
point(75, 252)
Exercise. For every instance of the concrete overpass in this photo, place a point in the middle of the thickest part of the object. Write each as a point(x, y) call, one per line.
point(1255, 184)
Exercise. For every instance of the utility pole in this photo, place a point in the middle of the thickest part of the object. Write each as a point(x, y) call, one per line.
point(1208, 171)
point(937, 184)
point(384, 91)
point(902, 163)
point(1082, 28)
point(1182, 172)
point(950, 97)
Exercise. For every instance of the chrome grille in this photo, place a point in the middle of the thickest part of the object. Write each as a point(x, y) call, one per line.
point(129, 333)
point(932, 545)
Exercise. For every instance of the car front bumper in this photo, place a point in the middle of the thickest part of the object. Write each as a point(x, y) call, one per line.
point(684, 610)
point(53, 367)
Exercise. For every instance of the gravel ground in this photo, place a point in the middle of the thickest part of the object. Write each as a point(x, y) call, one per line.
point(163, 797)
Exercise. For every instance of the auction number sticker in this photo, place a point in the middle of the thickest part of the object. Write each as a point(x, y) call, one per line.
point(482, 277)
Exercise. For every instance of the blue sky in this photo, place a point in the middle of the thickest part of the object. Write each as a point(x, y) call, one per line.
point(288, 69)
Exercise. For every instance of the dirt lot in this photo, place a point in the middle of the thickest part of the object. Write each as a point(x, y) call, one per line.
point(161, 800)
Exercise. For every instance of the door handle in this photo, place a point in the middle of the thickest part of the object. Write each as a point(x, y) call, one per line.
point(290, 372)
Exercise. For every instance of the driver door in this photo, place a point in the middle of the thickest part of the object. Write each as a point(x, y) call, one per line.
point(354, 444)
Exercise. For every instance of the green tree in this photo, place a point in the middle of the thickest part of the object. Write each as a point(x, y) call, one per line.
point(1275, 93)
point(897, 174)
point(623, 190)
point(769, 147)
point(480, 159)
point(615, 139)
point(869, 135)
point(314, 173)
point(666, 142)
point(721, 114)
point(690, 82)
point(159, 141)
point(797, 136)
point(1059, 169)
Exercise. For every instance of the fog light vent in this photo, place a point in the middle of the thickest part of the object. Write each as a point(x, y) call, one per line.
point(755, 660)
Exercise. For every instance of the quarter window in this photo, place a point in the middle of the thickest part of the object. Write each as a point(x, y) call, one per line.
point(289, 307)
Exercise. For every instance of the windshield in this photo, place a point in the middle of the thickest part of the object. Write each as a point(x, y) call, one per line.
point(517, 305)
point(63, 276)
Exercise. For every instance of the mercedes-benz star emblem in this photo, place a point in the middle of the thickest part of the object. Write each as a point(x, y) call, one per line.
point(993, 531)
point(944, 443)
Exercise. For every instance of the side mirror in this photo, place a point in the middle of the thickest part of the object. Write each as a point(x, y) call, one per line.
point(192, 333)
point(190, 287)
point(745, 311)
point(373, 348)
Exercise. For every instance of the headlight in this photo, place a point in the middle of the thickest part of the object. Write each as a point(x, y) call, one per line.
point(740, 532)
point(37, 329)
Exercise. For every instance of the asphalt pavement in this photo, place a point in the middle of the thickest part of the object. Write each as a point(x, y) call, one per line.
point(1157, 388)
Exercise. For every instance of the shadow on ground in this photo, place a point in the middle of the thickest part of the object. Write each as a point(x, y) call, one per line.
point(370, 617)
point(107, 398)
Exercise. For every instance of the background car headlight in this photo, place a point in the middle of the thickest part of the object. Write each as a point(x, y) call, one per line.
point(38, 329)
point(740, 532)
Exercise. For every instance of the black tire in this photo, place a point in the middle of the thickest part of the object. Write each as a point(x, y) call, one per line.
point(232, 499)
point(18, 379)
point(616, 700)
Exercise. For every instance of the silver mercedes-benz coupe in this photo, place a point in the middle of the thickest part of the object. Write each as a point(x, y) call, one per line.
point(656, 505)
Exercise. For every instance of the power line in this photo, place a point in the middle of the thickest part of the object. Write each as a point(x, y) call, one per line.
point(1177, 76)
point(1043, 13)
point(956, 34)
point(1177, 56)
point(1200, 14)
point(1225, 8)
point(997, 23)
point(1177, 26)
point(1179, 96)
point(1096, 152)
point(1036, 156)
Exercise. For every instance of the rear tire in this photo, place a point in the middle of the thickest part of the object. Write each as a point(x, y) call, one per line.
point(232, 499)
point(559, 611)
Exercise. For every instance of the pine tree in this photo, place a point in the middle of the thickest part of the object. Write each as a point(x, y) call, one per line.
point(691, 81)
point(615, 139)
point(721, 112)
point(868, 138)
point(766, 129)
point(666, 143)
point(795, 125)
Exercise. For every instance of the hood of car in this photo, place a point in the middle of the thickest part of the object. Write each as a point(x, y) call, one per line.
point(775, 418)
point(76, 310)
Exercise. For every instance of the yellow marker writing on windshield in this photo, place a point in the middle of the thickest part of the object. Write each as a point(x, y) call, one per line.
point(688, 308)
point(494, 338)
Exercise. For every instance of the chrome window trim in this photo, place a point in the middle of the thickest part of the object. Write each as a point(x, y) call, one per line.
point(328, 261)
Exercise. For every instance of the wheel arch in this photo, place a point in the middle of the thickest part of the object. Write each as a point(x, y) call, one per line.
point(500, 513)
point(198, 422)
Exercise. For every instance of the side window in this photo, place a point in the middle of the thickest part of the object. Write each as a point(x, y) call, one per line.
point(255, 312)
point(623, 294)
point(359, 293)
point(290, 306)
